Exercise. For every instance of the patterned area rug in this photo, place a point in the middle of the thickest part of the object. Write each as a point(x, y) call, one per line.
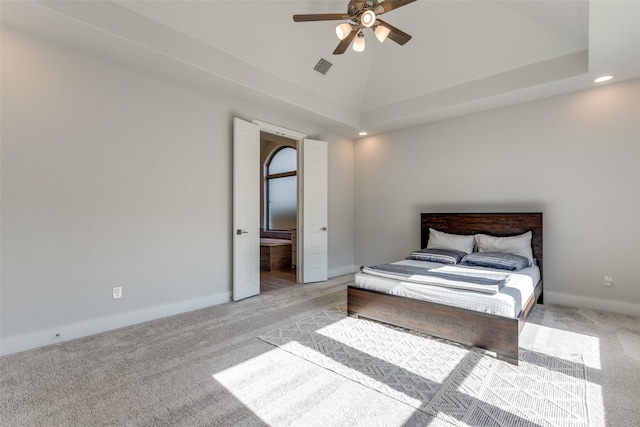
point(447, 380)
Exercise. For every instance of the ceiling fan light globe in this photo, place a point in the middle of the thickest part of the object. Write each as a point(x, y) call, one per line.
point(358, 43)
point(381, 33)
point(367, 18)
point(343, 30)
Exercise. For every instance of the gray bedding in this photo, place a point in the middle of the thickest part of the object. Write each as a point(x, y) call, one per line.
point(487, 282)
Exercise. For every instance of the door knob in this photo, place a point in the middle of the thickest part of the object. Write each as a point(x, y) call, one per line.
point(239, 232)
point(324, 229)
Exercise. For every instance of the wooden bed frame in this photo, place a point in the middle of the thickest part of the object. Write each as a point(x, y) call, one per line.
point(494, 333)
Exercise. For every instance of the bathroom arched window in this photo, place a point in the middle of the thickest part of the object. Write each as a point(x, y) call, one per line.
point(281, 189)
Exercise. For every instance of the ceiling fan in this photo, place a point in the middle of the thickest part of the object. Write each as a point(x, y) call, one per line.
point(362, 14)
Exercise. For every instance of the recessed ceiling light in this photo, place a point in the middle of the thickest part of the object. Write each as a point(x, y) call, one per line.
point(603, 79)
point(363, 133)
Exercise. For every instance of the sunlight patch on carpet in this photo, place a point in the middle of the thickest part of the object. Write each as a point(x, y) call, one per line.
point(441, 378)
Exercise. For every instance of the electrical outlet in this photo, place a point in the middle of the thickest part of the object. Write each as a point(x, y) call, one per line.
point(117, 292)
point(608, 281)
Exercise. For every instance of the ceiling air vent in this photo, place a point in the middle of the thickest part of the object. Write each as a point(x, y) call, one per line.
point(323, 66)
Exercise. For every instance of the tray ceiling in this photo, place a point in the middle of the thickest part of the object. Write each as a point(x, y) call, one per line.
point(464, 56)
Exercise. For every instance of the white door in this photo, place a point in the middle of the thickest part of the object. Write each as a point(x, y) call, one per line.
point(246, 209)
point(314, 211)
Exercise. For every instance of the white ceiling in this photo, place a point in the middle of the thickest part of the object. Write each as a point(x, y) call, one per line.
point(464, 56)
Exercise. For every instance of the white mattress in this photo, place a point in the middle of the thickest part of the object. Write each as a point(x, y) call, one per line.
point(507, 302)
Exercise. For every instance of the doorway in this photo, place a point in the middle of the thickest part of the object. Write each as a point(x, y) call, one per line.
point(278, 211)
point(312, 218)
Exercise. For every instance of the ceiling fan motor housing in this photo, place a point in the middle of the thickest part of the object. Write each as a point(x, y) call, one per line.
point(356, 7)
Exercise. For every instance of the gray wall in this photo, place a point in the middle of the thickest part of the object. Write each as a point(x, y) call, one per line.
point(111, 176)
point(574, 157)
point(114, 177)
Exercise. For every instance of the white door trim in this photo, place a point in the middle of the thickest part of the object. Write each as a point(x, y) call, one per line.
point(279, 130)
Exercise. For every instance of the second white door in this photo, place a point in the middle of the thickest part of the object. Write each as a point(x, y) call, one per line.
point(246, 210)
point(314, 219)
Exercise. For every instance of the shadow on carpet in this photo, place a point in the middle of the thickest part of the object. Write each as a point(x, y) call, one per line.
point(452, 382)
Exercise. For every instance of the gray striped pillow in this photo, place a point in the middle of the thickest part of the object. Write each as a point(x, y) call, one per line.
point(499, 260)
point(443, 256)
point(516, 245)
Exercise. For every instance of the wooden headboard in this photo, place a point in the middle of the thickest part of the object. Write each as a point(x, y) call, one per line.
point(496, 224)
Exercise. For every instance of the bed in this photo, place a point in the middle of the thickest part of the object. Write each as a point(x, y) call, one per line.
point(493, 330)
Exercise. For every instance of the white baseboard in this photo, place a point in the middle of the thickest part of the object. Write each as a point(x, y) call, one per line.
point(596, 304)
point(342, 270)
point(22, 342)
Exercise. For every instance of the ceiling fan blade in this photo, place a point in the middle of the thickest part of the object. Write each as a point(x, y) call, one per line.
point(389, 5)
point(344, 44)
point(320, 17)
point(396, 35)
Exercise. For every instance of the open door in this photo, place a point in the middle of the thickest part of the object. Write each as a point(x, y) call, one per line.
point(314, 211)
point(246, 209)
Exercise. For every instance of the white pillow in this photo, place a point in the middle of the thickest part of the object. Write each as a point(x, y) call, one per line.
point(457, 242)
point(517, 245)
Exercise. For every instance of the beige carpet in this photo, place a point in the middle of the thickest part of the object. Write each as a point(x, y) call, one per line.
point(446, 380)
point(207, 368)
